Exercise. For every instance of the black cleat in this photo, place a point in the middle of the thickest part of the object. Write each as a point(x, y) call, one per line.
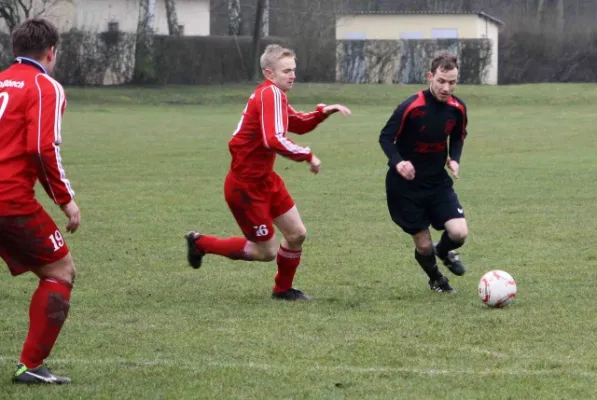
point(291, 295)
point(194, 255)
point(452, 261)
point(441, 285)
point(36, 376)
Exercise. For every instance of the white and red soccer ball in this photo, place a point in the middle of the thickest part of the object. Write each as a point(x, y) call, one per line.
point(497, 289)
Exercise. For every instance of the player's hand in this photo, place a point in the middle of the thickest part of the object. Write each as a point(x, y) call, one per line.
point(315, 164)
point(455, 168)
point(406, 170)
point(72, 212)
point(334, 108)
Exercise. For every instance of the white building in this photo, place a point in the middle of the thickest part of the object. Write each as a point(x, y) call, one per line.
point(371, 25)
point(102, 15)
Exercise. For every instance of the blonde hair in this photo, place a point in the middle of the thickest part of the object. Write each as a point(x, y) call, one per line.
point(273, 53)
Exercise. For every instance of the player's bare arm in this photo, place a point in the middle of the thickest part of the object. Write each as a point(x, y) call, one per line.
point(72, 212)
point(334, 108)
point(454, 168)
point(406, 170)
point(315, 164)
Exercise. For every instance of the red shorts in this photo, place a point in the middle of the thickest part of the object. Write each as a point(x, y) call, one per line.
point(30, 241)
point(255, 205)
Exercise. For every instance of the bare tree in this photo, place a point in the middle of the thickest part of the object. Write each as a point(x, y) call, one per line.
point(257, 39)
point(265, 19)
point(234, 18)
point(560, 21)
point(144, 69)
point(173, 27)
point(13, 12)
point(466, 5)
point(149, 15)
point(434, 5)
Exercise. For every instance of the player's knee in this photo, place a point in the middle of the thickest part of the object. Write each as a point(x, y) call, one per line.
point(269, 255)
point(265, 251)
point(460, 234)
point(297, 238)
point(66, 273)
point(424, 249)
point(63, 270)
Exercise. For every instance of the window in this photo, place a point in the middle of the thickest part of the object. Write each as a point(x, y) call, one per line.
point(181, 30)
point(444, 33)
point(113, 26)
point(411, 35)
point(355, 36)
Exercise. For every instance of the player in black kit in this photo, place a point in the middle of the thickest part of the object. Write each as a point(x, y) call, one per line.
point(419, 190)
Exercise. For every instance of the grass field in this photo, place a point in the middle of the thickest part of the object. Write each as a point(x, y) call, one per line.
point(148, 165)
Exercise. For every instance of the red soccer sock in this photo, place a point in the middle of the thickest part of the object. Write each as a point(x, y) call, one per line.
point(233, 248)
point(288, 261)
point(47, 313)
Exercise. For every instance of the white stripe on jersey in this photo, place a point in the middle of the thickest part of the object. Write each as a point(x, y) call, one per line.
point(279, 124)
point(263, 122)
point(303, 117)
point(60, 102)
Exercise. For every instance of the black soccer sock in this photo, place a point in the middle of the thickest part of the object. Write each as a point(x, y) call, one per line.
point(429, 265)
point(446, 244)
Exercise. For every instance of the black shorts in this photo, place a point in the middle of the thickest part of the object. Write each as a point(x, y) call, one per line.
point(415, 207)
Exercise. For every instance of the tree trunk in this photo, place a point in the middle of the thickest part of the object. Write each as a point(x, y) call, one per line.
point(540, 13)
point(560, 21)
point(257, 39)
point(144, 67)
point(234, 18)
point(265, 19)
point(173, 28)
point(151, 15)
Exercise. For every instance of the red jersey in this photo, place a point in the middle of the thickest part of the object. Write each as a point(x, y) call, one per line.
point(261, 133)
point(31, 109)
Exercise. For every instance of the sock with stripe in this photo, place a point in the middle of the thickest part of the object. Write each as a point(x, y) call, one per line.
point(47, 312)
point(288, 262)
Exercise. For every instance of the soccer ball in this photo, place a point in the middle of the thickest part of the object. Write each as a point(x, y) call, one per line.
point(497, 289)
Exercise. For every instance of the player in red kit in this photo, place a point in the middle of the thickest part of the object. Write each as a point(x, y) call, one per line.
point(255, 194)
point(31, 109)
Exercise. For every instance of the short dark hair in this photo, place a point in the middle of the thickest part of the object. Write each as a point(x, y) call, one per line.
point(32, 37)
point(444, 61)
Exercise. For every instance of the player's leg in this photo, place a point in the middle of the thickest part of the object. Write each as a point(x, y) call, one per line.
point(289, 254)
point(234, 248)
point(448, 215)
point(250, 206)
point(425, 256)
point(48, 311)
point(34, 243)
point(288, 221)
point(407, 210)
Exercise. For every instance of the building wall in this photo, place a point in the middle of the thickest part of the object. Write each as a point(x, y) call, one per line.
point(492, 77)
point(95, 15)
point(424, 26)
point(395, 26)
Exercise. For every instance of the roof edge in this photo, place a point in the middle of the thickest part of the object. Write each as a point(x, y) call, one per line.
point(481, 14)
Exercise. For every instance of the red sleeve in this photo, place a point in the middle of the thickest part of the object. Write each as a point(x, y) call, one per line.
point(274, 123)
point(300, 122)
point(44, 121)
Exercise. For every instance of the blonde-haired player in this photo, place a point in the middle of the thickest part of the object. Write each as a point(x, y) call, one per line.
point(256, 195)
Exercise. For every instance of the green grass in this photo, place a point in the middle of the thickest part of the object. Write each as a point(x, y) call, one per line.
point(144, 325)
